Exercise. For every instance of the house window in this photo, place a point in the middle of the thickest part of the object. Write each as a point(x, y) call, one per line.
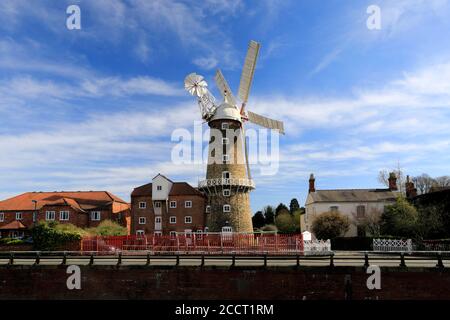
point(188, 219)
point(226, 158)
point(208, 209)
point(2, 217)
point(50, 215)
point(158, 233)
point(360, 212)
point(157, 204)
point(225, 141)
point(18, 215)
point(95, 215)
point(142, 220)
point(199, 234)
point(226, 208)
point(173, 234)
point(226, 192)
point(334, 208)
point(173, 204)
point(188, 204)
point(225, 175)
point(225, 126)
point(140, 232)
point(159, 188)
point(158, 220)
point(64, 215)
point(142, 205)
point(173, 219)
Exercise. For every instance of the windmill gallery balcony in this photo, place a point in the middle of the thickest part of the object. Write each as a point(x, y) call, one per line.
point(213, 183)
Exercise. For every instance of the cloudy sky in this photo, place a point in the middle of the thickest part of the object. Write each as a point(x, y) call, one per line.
point(94, 109)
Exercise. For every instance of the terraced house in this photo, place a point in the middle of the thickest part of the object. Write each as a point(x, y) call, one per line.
point(164, 207)
point(81, 208)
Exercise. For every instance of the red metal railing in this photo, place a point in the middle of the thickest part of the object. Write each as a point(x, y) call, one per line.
point(197, 244)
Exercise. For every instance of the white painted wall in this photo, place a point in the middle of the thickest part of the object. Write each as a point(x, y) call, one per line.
point(166, 186)
point(346, 208)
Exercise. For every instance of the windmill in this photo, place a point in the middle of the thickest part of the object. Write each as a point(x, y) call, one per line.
point(228, 182)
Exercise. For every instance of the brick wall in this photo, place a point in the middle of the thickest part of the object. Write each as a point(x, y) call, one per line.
point(110, 282)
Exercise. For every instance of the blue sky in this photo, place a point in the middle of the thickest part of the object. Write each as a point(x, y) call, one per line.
point(94, 109)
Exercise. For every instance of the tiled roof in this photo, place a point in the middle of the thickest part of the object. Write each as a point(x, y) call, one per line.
point(353, 195)
point(178, 189)
point(15, 225)
point(77, 199)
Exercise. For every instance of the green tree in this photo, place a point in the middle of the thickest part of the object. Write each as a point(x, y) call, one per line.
point(269, 214)
point(431, 222)
point(329, 225)
point(258, 220)
point(108, 228)
point(294, 205)
point(281, 207)
point(50, 236)
point(400, 219)
point(285, 222)
point(297, 216)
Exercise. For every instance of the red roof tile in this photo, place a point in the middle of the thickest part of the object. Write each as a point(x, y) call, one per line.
point(15, 225)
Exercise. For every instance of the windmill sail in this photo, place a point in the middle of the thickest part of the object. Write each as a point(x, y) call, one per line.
point(265, 122)
point(224, 87)
point(248, 71)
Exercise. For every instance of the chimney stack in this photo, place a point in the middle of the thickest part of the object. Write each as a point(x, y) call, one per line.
point(392, 182)
point(411, 191)
point(312, 181)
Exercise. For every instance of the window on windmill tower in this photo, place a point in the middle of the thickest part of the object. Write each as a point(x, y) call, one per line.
point(225, 126)
point(225, 141)
point(226, 208)
point(225, 175)
point(226, 192)
point(226, 158)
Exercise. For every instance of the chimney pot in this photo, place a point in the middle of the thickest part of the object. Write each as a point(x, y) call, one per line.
point(312, 180)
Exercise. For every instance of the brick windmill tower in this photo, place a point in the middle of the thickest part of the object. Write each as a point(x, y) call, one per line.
point(228, 179)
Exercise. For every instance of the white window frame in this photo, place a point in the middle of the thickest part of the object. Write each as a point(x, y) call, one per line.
point(226, 158)
point(172, 217)
point(142, 205)
point(19, 216)
point(158, 218)
point(157, 233)
point(140, 232)
point(186, 204)
point(142, 220)
point(226, 192)
point(157, 204)
point(227, 229)
point(48, 215)
point(226, 173)
point(225, 141)
point(208, 209)
point(225, 125)
point(94, 215)
point(2, 216)
point(226, 208)
point(173, 234)
point(173, 202)
point(186, 218)
point(61, 213)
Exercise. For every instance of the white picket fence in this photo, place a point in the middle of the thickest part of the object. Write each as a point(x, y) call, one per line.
point(392, 245)
point(316, 245)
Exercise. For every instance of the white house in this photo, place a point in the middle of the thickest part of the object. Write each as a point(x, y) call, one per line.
point(357, 204)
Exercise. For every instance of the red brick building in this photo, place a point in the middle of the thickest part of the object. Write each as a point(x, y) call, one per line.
point(82, 208)
point(165, 207)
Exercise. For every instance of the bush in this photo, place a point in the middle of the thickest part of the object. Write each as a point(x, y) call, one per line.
point(400, 219)
point(108, 228)
point(329, 225)
point(11, 241)
point(51, 236)
point(352, 243)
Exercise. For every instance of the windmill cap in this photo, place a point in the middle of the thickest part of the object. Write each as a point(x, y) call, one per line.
point(227, 112)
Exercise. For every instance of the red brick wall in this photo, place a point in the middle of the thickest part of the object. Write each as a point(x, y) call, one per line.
point(49, 282)
point(197, 212)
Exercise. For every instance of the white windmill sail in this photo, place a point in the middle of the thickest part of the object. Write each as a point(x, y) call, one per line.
point(197, 86)
point(248, 71)
point(265, 122)
point(224, 88)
